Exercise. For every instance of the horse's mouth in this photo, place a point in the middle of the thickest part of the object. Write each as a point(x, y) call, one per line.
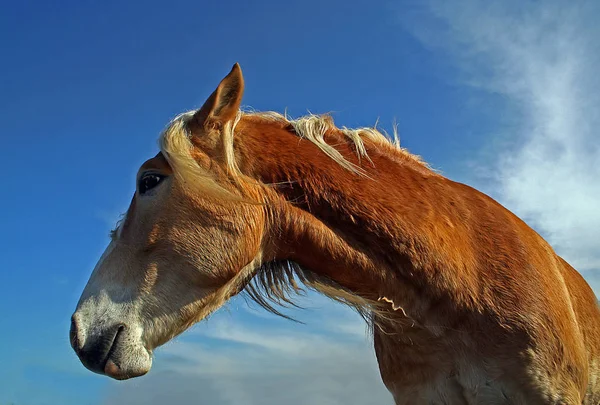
point(125, 362)
point(112, 352)
point(111, 369)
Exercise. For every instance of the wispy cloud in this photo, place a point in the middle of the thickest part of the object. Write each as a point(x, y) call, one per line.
point(540, 61)
point(229, 361)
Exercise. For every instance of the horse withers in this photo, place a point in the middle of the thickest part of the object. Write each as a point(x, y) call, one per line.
point(468, 305)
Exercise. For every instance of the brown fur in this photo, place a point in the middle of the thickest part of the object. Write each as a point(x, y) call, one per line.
point(468, 303)
point(470, 275)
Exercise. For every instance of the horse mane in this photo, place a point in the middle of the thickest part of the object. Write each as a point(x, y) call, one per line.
point(176, 145)
point(275, 283)
point(314, 128)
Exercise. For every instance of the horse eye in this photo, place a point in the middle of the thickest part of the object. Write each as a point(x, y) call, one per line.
point(148, 182)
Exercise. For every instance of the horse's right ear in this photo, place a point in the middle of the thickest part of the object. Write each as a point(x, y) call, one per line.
point(224, 103)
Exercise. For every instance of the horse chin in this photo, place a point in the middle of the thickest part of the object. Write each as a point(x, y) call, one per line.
point(126, 361)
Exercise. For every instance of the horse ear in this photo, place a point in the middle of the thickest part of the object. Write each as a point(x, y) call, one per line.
point(224, 103)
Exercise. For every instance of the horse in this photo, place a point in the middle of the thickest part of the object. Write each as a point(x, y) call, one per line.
point(466, 303)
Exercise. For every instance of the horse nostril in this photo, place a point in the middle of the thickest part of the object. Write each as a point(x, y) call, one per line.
point(97, 347)
point(120, 328)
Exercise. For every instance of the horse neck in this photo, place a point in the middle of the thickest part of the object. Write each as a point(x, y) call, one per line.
point(367, 233)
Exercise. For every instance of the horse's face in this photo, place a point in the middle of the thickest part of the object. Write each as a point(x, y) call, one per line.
point(176, 256)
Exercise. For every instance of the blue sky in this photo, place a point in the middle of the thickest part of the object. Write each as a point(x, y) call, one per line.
point(503, 96)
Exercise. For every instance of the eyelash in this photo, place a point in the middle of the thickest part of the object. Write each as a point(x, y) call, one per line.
point(148, 181)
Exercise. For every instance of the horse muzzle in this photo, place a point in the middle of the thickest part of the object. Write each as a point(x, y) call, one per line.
point(109, 349)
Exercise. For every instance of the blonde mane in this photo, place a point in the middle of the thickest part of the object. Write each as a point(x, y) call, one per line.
point(175, 143)
point(276, 282)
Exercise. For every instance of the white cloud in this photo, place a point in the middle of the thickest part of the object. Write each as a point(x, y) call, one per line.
point(229, 361)
point(540, 59)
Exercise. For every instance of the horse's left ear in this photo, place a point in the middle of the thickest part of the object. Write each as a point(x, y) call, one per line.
point(224, 103)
